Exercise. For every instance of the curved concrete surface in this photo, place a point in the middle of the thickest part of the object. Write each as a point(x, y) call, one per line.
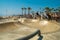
point(13, 35)
point(50, 31)
point(44, 25)
point(8, 26)
point(14, 30)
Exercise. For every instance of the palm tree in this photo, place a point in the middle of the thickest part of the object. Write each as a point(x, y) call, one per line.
point(25, 11)
point(22, 10)
point(29, 10)
point(58, 9)
point(53, 9)
point(48, 10)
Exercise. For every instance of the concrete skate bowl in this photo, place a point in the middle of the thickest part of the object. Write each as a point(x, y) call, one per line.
point(8, 26)
point(44, 25)
point(16, 30)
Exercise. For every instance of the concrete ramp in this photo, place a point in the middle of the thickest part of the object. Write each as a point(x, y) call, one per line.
point(15, 30)
point(8, 26)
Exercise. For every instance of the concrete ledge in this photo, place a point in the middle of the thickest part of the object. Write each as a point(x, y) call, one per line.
point(32, 35)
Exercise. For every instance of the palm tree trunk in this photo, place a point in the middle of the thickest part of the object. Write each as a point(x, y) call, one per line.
point(28, 11)
point(25, 12)
point(22, 12)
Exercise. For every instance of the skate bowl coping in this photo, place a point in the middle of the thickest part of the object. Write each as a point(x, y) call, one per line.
point(32, 35)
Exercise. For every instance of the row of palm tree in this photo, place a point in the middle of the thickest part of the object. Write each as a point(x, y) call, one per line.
point(47, 10)
point(24, 9)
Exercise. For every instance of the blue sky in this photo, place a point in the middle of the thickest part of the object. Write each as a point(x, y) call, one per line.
point(13, 7)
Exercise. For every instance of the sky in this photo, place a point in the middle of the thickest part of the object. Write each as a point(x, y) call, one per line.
point(13, 7)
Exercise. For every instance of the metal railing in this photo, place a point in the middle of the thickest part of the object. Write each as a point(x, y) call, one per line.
point(32, 35)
